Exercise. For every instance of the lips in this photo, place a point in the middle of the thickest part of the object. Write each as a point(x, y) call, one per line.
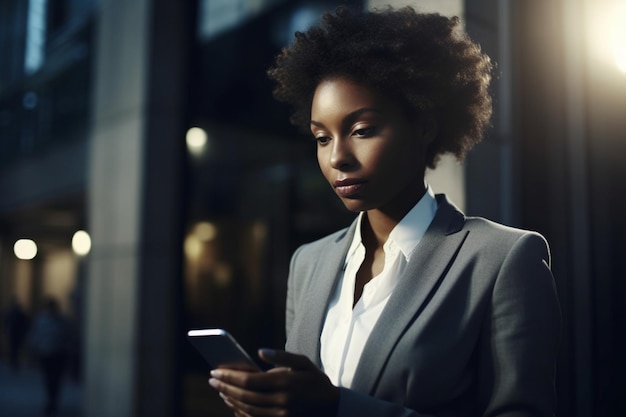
point(348, 187)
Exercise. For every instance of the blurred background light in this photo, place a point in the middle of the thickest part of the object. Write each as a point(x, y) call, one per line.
point(81, 243)
point(25, 249)
point(29, 101)
point(193, 247)
point(618, 36)
point(196, 140)
point(218, 16)
point(607, 32)
point(205, 231)
point(35, 36)
point(299, 20)
point(222, 275)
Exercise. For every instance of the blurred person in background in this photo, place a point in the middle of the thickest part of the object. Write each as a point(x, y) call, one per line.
point(415, 309)
point(16, 323)
point(50, 341)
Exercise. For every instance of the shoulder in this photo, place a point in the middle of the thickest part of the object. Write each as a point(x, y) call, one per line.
point(486, 236)
point(498, 238)
point(330, 249)
point(323, 243)
point(488, 229)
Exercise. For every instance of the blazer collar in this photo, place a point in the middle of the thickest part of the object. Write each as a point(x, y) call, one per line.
point(423, 275)
point(308, 327)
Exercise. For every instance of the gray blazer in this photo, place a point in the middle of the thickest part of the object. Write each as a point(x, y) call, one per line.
point(471, 329)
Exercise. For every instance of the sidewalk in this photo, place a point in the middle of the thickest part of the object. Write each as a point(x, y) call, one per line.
point(22, 394)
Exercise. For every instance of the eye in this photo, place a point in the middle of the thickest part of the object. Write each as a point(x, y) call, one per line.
point(366, 131)
point(322, 140)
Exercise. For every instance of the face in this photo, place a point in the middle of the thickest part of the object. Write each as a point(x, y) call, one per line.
point(367, 148)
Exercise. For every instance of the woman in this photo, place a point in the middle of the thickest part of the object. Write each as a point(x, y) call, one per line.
point(415, 309)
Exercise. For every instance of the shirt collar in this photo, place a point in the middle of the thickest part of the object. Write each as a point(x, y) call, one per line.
point(412, 228)
point(409, 232)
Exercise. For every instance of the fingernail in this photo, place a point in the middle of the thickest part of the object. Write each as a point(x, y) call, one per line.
point(216, 373)
point(226, 400)
point(214, 383)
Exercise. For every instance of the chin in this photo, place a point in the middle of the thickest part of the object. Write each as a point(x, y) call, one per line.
point(355, 206)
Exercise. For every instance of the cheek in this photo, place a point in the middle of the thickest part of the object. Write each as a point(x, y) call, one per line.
point(384, 157)
point(398, 162)
point(322, 161)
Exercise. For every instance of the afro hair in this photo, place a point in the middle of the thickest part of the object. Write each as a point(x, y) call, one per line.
point(425, 61)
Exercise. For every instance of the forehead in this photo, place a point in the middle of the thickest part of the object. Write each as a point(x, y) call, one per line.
point(336, 97)
point(343, 86)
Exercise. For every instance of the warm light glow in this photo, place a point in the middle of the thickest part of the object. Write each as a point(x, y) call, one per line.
point(193, 247)
point(205, 231)
point(618, 36)
point(259, 231)
point(81, 243)
point(607, 32)
point(620, 59)
point(25, 249)
point(223, 274)
point(196, 140)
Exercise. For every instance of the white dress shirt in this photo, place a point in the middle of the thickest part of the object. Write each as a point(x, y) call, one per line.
point(346, 329)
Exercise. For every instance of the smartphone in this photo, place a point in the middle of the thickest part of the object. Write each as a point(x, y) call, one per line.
point(221, 350)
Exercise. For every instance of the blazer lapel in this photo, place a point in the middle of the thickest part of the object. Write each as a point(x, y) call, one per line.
point(424, 272)
point(308, 327)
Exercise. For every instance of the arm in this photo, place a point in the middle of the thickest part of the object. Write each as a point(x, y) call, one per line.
point(352, 403)
point(520, 335)
point(291, 291)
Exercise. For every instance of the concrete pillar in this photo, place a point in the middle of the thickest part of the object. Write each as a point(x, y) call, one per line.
point(134, 176)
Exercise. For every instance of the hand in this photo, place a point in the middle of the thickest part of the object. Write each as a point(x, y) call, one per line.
point(295, 387)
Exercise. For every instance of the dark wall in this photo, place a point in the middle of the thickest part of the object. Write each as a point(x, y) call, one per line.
point(568, 112)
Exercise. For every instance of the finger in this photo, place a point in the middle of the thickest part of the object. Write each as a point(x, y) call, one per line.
point(237, 395)
point(271, 381)
point(257, 411)
point(230, 404)
point(227, 400)
point(238, 413)
point(233, 408)
point(287, 360)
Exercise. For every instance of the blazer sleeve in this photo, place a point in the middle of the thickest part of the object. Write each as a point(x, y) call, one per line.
point(352, 403)
point(517, 348)
point(292, 291)
point(521, 334)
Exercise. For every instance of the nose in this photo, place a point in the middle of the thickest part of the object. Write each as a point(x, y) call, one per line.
point(341, 157)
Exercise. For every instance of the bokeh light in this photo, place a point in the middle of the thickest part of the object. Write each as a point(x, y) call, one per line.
point(205, 231)
point(197, 139)
point(193, 247)
point(81, 243)
point(25, 249)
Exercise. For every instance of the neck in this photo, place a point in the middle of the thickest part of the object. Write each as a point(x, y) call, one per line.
point(378, 223)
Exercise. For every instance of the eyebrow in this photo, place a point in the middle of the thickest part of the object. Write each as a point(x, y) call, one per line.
point(351, 116)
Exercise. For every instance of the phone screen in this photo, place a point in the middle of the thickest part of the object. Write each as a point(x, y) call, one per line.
point(221, 350)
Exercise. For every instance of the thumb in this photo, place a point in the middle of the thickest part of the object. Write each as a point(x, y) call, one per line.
point(286, 359)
